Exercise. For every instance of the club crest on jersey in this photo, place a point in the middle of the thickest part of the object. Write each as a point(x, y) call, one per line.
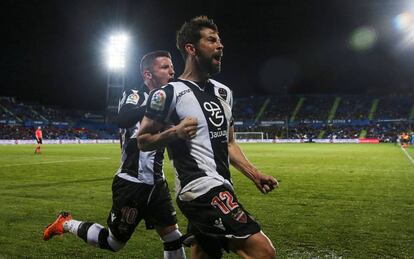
point(158, 100)
point(216, 114)
point(133, 98)
point(223, 93)
point(239, 215)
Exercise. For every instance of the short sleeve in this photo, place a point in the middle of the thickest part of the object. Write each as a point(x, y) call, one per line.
point(160, 103)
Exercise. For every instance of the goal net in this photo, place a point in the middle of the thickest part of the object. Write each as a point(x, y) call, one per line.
point(249, 135)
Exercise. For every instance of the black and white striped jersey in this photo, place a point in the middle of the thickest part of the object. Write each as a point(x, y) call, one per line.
point(202, 162)
point(136, 165)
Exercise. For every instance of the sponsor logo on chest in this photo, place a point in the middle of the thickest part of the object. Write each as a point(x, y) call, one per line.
point(216, 118)
point(216, 115)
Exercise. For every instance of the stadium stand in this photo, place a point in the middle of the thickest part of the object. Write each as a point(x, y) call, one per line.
point(315, 107)
point(18, 120)
point(278, 117)
point(332, 117)
point(353, 107)
point(280, 108)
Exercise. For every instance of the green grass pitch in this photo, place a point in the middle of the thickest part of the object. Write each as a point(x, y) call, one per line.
point(334, 200)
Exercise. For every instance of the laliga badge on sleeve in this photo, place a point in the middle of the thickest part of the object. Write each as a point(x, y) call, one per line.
point(133, 98)
point(158, 100)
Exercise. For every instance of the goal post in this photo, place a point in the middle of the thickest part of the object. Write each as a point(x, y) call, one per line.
point(249, 135)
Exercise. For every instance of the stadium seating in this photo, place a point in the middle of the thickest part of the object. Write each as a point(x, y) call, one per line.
point(18, 120)
point(284, 116)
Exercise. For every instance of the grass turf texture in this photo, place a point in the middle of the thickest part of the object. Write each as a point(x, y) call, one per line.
point(334, 200)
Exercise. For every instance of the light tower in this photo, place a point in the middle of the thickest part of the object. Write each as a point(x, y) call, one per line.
point(116, 52)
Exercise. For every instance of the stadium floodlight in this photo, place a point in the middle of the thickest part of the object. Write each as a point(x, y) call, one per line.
point(403, 21)
point(116, 51)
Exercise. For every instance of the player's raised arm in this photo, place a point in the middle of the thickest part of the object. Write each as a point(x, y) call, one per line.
point(150, 137)
point(265, 183)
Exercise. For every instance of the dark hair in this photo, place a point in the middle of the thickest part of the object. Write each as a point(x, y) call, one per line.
point(148, 59)
point(190, 32)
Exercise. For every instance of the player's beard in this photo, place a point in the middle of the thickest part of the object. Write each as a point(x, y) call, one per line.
point(206, 64)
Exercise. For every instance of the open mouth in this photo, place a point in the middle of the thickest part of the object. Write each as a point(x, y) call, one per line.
point(217, 57)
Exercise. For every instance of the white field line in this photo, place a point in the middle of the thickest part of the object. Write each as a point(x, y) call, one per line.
point(58, 161)
point(408, 155)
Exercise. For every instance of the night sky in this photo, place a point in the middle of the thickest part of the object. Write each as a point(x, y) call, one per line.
point(52, 51)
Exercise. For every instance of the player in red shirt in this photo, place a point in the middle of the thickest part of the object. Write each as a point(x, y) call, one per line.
point(39, 136)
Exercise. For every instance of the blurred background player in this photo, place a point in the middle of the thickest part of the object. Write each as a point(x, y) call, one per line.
point(39, 137)
point(405, 140)
point(412, 138)
point(139, 188)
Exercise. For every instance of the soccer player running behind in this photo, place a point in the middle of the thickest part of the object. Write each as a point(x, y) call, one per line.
point(139, 189)
point(39, 138)
point(201, 144)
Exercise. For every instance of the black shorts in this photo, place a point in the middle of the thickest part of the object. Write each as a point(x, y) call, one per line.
point(39, 141)
point(132, 202)
point(215, 217)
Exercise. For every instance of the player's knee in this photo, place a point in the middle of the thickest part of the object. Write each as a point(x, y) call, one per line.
point(108, 241)
point(121, 233)
point(260, 251)
point(269, 252)
point(96, 235)
point(259, 246)
point(113, 243)
point(266, 249)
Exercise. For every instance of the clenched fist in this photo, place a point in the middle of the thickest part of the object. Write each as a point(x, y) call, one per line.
point(187, 129)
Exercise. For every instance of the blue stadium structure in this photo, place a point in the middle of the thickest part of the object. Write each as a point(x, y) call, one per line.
point(278, 117)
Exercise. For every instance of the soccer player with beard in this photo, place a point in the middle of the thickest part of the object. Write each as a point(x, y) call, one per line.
point(201, 146)
point(139, 189)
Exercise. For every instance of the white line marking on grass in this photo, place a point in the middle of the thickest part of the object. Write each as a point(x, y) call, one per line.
point(408, 155)
point(59, 161)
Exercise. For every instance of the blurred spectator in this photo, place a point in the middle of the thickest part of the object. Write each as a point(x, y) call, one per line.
point(390, 119)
